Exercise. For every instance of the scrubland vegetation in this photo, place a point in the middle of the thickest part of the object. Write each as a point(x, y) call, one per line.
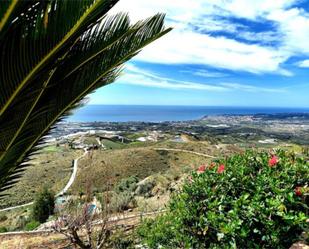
point(205, 193)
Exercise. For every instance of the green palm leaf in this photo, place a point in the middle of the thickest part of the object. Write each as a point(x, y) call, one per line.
point(54, 54)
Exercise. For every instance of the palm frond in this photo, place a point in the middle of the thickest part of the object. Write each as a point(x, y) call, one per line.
point(32, 35)
point(54, 54)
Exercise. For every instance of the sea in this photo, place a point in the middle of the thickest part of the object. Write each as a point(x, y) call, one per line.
point(147, 113)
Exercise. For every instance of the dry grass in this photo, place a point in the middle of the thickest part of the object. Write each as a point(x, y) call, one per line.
point(101, 166)
point(52, 168)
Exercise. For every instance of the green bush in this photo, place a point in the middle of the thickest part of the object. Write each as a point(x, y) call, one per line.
point(43, 205)
point(127, 184)
point(161, 233)
point(121, 240)
point(3, 230)
point(252, 200)
point(32, 225)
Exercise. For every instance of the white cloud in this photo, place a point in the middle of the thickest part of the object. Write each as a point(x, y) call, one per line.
point(183, 10)
point(304, 63)
point(205, 73)
point(193, 48)
point(189, 44)
point(135, 76)
point(134, 79)
point(213, 24)
point(294, 25)
point(249, 88)
point(254, 9)
point(262, 37)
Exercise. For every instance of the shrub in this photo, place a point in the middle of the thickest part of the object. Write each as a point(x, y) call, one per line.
point(145, 187)
point(161, 232)
point(3, 217)
point(253, 200)
point(32, 225)
point(43, 205)
point(121, 240)
point(122, 201)
point(3, 230)
point(19, 222)
point(127, 184)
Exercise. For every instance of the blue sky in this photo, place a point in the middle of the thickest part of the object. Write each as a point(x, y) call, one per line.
point(220, 53)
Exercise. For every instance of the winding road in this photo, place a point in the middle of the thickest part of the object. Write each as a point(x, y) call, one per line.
point(63, 191)
point(73, 176)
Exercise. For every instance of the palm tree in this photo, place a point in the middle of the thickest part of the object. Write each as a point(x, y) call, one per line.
point(52, 54)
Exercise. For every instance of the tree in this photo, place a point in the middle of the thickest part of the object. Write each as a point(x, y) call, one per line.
point(43, 205)
point(83, 229)
point(84, 225)
point(52, 54)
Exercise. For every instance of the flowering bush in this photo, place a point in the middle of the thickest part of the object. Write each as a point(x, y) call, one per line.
point(254, 200)
point(273, 161)
point(201, 169)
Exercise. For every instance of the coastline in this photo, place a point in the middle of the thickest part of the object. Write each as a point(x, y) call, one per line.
point(118, 113)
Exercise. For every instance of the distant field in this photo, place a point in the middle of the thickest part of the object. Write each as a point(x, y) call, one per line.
point(51, 148)
point(90, 140)
point(111, 145)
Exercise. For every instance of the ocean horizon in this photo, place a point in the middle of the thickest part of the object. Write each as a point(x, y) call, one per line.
point(151, 113)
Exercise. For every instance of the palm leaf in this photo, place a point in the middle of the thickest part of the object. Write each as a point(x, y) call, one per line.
point(52, 64)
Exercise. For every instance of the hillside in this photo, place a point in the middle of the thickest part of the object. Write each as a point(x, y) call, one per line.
point(102, 166)
point(51, 168)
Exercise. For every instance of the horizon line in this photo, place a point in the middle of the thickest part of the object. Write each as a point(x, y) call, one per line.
point(224, 106)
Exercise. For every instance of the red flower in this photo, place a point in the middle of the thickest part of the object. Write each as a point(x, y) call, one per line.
point(273, 161)
point(221, 168)
point(201, 169)
point(298, 191)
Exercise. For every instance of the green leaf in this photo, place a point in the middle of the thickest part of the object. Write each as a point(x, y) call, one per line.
point(55, 53)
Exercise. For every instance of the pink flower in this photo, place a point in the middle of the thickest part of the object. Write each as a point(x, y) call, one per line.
point(298, 191)
point(201, 169)
point(221, 168)
point(273, 161)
